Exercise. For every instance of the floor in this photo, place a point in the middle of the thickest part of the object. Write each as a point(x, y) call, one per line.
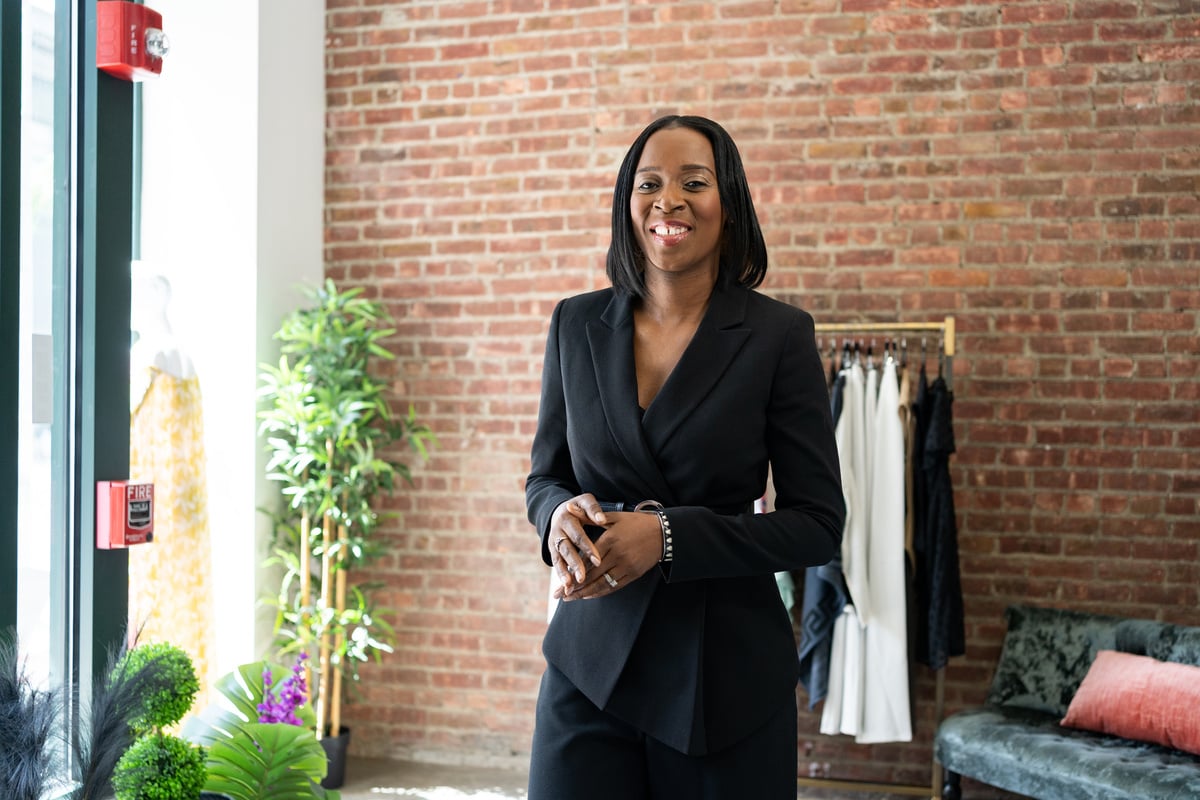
point(377, 779)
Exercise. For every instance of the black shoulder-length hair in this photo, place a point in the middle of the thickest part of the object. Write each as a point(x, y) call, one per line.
point(743, 251)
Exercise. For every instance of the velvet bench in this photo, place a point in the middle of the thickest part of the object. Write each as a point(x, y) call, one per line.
point(1015, 742)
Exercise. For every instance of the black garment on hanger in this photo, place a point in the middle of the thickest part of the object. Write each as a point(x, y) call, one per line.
point(825, 595)
point(921, 407)
point(837, 393)
point(940, 610)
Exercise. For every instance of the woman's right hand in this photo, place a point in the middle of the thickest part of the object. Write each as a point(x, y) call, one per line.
point(571, 550)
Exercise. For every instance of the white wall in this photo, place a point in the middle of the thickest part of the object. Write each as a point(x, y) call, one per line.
point(233, 174)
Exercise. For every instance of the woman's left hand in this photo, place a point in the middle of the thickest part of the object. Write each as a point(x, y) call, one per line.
point(630, 547)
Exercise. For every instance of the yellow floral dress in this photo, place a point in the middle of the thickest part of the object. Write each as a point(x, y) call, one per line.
point(170, 579)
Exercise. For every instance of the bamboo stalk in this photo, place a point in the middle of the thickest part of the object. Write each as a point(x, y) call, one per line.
point(305, 558)
point(326, 602)
point(306, 578)
point(335, 695)
point(326, 597)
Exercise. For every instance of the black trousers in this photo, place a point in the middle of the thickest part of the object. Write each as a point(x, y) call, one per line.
point(582, 753)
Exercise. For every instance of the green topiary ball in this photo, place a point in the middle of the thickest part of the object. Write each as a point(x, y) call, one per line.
point(160, 767)
point(170, 683)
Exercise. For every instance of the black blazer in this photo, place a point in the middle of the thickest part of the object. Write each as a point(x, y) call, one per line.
point(700, 652)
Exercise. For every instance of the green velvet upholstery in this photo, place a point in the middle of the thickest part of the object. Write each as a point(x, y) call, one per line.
point(1014, 741)
point(1028, 752)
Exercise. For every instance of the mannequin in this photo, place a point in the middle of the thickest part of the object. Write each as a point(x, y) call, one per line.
point(154, 344)
point(170, 579)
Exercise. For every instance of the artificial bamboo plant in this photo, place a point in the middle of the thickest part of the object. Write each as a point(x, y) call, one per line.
point(330, 432)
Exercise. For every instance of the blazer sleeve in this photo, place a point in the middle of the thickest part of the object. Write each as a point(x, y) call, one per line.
point(551, 479)
point(805, 529)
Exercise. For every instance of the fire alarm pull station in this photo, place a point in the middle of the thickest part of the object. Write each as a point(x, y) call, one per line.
point(130, 42)
point(124, 514)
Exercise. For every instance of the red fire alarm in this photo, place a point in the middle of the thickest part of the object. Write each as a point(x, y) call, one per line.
point(124, 514)
point(130, 42)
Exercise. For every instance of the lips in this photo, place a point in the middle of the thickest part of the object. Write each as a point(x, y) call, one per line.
point(669, 233)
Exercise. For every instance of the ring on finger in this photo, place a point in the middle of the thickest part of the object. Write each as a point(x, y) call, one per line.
point(611, 580)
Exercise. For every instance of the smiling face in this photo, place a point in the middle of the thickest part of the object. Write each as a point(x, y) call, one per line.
point(675, 207)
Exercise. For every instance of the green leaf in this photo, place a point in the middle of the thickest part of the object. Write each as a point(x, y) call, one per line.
point(267, 761)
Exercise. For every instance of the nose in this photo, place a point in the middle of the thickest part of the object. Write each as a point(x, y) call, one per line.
point(669, 198)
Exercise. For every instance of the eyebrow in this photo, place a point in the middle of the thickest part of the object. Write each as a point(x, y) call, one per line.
point(684, 168)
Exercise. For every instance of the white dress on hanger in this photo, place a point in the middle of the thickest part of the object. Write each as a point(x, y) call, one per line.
point(886, 715)
point(842, 711)
point(851, 437)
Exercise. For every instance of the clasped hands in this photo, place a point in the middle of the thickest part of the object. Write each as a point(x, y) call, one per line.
point(630, 546)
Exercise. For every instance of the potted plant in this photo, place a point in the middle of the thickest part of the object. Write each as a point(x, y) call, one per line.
point(330, 431)
point(29, 719)
point(259, 735)
point(137, 685)
point(140, 691)
point(159, 765)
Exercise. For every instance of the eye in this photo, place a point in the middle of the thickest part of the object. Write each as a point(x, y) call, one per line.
point(647, 186)
point(696, 184)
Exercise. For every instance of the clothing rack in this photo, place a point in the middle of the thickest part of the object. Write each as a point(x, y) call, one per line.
point(934, 790)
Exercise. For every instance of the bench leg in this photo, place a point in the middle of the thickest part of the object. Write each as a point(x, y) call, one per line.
point(950, 788)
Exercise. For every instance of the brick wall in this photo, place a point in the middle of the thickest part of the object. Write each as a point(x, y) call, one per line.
point(1032, 168)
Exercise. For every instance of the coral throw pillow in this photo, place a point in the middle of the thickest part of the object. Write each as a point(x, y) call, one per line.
point(1142, 698)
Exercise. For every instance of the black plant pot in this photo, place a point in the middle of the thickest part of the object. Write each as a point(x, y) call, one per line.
point(335, 751)
point(214, 796)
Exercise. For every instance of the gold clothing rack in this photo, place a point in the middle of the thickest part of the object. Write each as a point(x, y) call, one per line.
point(946, 327)
point(934, 790)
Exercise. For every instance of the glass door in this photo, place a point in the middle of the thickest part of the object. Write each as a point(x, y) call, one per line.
point(66, 181)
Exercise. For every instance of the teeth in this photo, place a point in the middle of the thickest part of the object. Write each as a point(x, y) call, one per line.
point(669, 230)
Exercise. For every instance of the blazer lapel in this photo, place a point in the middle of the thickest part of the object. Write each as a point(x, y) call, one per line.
point(611, 342)
point(716, 343)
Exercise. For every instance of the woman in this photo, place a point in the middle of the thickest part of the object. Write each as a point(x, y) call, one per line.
point(671, 663)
